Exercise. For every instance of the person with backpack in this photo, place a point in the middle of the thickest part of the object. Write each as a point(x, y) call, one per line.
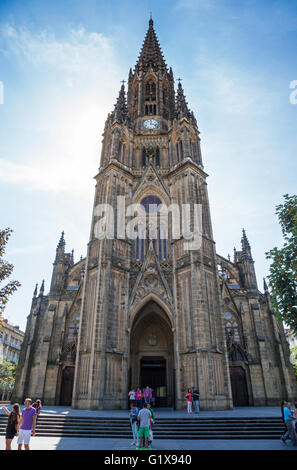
point(12, 428)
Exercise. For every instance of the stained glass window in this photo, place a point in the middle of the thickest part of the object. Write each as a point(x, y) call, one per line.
point(150, 204)
point(73, 327)
point(232, 327)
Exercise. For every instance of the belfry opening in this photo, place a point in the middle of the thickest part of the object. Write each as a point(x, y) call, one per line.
point(151, 353)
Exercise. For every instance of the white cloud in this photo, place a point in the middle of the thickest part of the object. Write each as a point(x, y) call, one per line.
point(72, 90)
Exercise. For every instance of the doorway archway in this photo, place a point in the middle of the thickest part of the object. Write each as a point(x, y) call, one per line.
point(151, 353)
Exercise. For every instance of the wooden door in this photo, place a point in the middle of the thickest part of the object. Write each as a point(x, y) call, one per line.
point(239, 386)
point(67, 386)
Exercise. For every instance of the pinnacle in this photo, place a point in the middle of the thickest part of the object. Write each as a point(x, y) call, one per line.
point(62, 240)
point(151, 54)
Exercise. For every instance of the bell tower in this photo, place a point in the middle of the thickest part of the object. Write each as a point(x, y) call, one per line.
point(151, 307)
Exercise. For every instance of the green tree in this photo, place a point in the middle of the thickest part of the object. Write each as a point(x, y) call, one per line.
point(7, 375)
point(293, 358)
point(5, 271)
point(283, 269)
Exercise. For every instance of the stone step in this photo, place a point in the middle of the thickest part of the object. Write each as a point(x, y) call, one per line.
point(165, 428)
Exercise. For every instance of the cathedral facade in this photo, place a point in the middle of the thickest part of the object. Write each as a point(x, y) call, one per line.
point(146, 310)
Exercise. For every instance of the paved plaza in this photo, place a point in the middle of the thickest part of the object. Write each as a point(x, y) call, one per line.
point(66, 443)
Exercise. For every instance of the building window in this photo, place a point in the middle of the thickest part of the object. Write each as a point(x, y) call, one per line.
point(232, 327)
point(156, 231)
point(157, 157)
point(73, 328)
point(143, 161)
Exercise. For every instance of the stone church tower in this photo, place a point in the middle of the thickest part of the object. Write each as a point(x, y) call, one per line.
point(145, 310)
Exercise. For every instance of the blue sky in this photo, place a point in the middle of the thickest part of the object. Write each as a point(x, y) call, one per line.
point(61, 64)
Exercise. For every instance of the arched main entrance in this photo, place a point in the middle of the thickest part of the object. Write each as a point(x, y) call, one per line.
point(151, 353)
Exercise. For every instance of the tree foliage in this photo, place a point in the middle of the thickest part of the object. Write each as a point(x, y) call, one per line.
point(293, 358)
point(5, 271)
point(283, 269)
point(7, 374)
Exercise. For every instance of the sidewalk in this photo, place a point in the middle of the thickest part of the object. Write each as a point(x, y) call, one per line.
point(67, 443)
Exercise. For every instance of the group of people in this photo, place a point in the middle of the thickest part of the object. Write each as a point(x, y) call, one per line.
point(141, 421)
point(138, 396)
point(192, 396)
point(289, 417)
point(21, 424)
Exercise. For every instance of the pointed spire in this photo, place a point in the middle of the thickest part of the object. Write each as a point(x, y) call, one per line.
point(181, 105)
point(245, 243)
point(41, 292)
point(265, 286)
point(234, 255)
point(150, 54)
point(72, 256)
point(120, 111)
point(61, 241)
point(35, 291)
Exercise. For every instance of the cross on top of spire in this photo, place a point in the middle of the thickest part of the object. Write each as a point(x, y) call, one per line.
point(150, 54)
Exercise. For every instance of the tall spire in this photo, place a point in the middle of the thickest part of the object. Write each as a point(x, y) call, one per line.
point(41, 292)
point(182, 109)
point(120, 111)
point(60, 251)
point(35, 291)
point(245, 243)
point(61, 241)
point(150, 54)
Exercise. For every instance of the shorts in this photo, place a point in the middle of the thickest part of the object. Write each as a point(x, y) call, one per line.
point(24, 436)
point(144, 432)
point(10, 433)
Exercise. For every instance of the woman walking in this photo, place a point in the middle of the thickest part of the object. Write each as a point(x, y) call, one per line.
point(14, 418)
point(189, 400)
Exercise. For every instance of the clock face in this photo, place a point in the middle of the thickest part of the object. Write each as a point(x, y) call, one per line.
point(150, 124)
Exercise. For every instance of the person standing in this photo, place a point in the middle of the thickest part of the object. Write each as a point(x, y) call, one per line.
point(14, 418)
point(37, 406)
point(196, 396)
point(153, 397)
point(145, 421)
point(131, 396)
point(27, 425)
point(138, 396)
point(290, 425)
point(147, 395)
point(149, 407)
point(189, 400)
point(133, 422)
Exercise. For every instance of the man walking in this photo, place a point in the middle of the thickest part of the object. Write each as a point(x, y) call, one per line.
point(27, 425)
point(290, 425)
point(196, 396)
point(145, 420)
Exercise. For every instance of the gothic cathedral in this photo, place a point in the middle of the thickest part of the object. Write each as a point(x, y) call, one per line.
point(146, 310)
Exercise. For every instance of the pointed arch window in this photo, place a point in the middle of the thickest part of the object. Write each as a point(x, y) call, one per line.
point(73, 328)
point(232, 327)
point(143, 158)
point(150, 97)
point(159, 239)
point(157, 157)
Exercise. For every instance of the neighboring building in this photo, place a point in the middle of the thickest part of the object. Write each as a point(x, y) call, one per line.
point(148, 311)
point(291, 338)
point(11, 339)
